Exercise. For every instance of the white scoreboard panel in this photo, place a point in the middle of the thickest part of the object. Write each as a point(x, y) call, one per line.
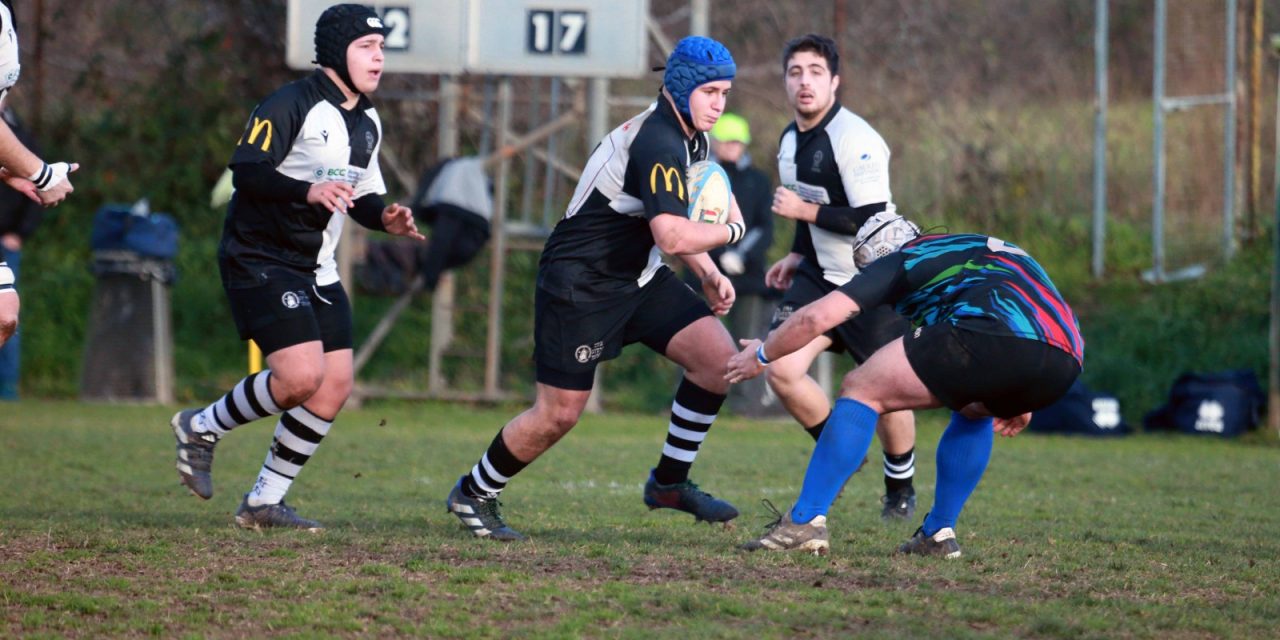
point(582, 38)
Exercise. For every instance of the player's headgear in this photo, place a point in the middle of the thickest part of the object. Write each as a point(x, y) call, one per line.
point(337, 28)
point(695, 61)
point(731, 127)
point(881, 235)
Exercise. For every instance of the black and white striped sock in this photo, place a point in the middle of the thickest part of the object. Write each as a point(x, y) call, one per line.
point(899, 470)
point(298, 435)
point(692, 414)
point(249, 400)
point(494, 470)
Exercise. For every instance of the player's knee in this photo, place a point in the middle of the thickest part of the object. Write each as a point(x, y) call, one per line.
point(561, 417)
point(295, 387)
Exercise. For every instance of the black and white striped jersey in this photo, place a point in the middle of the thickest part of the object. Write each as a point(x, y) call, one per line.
point(841, 164)
point(304, 133)
point(603, 247)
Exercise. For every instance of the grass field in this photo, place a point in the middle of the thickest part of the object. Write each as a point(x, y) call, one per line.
point(1168, 537)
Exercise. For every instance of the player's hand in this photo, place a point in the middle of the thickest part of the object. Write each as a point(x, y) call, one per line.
point(332, 196)
point(782, 272)
point(719, 292)
point(20, 184)
point(1009, 427)
point(398, 219)
point(789, 204)
point(59, 186)
point(743, 365)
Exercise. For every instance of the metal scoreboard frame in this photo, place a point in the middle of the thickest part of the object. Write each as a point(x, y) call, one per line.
point(575, 38)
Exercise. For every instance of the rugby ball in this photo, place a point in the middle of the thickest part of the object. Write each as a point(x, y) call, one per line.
point(882, 234)
point(709, 192)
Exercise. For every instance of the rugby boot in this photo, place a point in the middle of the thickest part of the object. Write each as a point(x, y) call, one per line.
point(195, 454)
point(785, 535)
point(942, 543)
point(482, 516)
point(687, 497)
point(898, 505)
point(272, 516)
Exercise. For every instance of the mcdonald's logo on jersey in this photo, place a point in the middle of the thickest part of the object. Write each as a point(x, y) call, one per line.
point(671, 179)
point(261, 127)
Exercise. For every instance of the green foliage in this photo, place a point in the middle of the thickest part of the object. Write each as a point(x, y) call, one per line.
point(1064, 537)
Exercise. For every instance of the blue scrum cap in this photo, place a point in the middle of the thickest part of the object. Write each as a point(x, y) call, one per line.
point(695, 61)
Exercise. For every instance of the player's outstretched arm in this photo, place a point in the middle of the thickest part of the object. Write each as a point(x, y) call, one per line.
point(804, 325)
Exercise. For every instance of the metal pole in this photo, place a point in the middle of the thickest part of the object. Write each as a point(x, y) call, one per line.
point(498, 255)
point(597, 129)
point(1157, 205)
point(526, 187)
point(549, 179)
point(442, 298)
point(1100, 137)
point(699, 22)
point(597, 111)
point(1229, 141)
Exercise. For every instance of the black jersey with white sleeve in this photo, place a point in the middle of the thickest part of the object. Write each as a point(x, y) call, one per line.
point(302, 132)
point(603, 248)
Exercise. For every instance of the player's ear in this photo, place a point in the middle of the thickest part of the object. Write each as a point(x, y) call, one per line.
point(835, 84)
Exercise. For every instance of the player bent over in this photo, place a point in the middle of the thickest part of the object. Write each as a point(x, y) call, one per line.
point(993, 341)
point(307, 160)
point(602, 285)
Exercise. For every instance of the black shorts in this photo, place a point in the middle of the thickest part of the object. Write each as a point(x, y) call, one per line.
point(290, 309)
point(571, 338)
point(1010, 375)
point(859, 337)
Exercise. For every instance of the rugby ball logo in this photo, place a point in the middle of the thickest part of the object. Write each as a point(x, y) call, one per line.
point(709, 192)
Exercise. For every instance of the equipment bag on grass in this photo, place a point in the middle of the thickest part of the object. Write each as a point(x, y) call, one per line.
point(1224, 403)
point(1081, 411)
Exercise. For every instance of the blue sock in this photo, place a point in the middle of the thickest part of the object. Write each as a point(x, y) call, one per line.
point(963, 454)
point(840, 449)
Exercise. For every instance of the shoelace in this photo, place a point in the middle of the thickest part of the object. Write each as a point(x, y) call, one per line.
point(777, 520)
point(489, 509)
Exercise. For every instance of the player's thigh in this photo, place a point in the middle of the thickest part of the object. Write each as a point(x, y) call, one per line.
point(886, 382)
point(705, 344)
point(572, 338)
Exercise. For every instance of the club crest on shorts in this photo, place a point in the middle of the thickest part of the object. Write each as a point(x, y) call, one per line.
point(585, 354)
point(293, 300)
